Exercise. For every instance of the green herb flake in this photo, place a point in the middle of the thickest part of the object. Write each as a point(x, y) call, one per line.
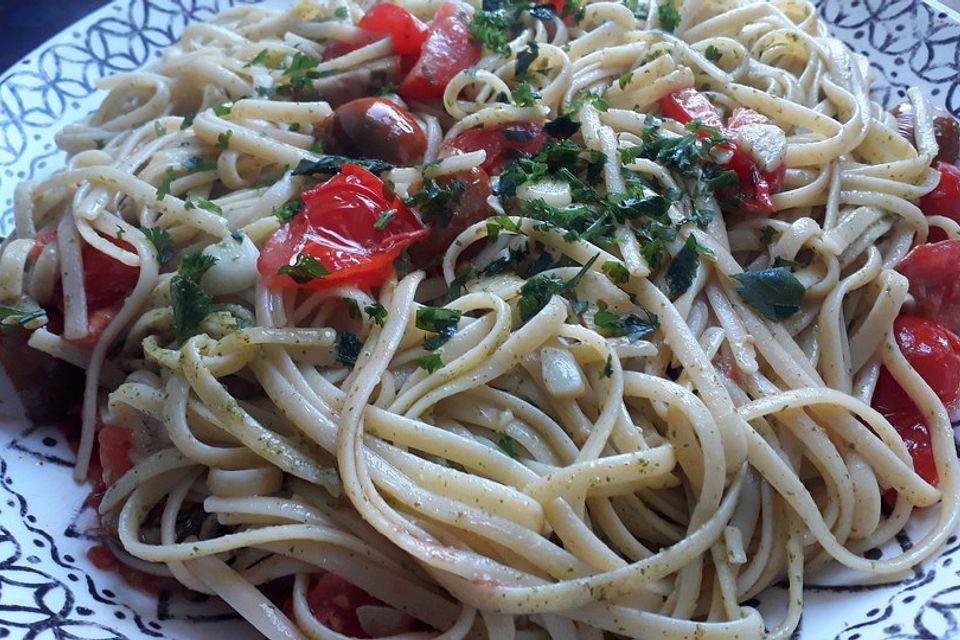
point(223, 139)
point(438, 320)
point(668, 15)
point(162, 243)
point(774, 292)
point(195, 164)
point(288, 209)
point(341, 13)
point(712, 53)
point(524, 95)
point(377, 313)
point(607, 370)
point(330, 164)
point(624, 80)
point(262, 59)
point(304, 269)
point(490, 30)
point(348, 349)
point(187, 120)
point(537, 291)
point(630, 326)
point(505, 444)
point(430, 361)
point(616, 271)
point(164, 187)
point(221, 110)
point(435, 200)
point(190, 303)
point(384, 218)
point(525, 58)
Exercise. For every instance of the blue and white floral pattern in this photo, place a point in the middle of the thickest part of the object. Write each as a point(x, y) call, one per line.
point(48, 588)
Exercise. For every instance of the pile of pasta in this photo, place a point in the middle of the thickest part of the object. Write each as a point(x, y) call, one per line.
point(567, 424)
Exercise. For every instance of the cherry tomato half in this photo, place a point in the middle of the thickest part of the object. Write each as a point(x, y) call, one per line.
point(447, 51)
point(502, 142)
point(934, 352)
point(407, 32)
point(944, 200)
point(934, 274)
point(472, 207)
point(753, 195)
point(336, 228)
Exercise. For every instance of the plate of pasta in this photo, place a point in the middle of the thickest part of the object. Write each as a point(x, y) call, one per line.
point(440, 319)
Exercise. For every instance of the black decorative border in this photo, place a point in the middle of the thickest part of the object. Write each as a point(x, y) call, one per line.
point(907, 42)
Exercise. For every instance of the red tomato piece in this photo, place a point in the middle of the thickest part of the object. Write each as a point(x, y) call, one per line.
point(934, 274)
point(407, 32)
point(115, 446)
point(447, 51)
point(502, 143)
point(753, 195)
point(334, 602)
point(107, 281)
point(913, 430)
point(471, 208)
point(687, 105)
point(336, 227)
point(934, 352)
point(944, 200)
point(43, 238)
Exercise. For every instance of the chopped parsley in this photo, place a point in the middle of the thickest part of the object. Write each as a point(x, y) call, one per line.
point(616, 271)
point(330, 164)
point(525, 58)
point(437, 201)
point(221, 110)
point(524, 95)
point(562, 127)
point(206, 205)
point(490, 30)
point(712, 53)
point(223, 139)
point(774, 292)
point(438, 320)
point(430, 361)
point(288, 209)
point(683, 268)
point(190, 303)
point(341, 13)
point(630, 326)
point(348, 349)
point(377, 313)
point(304, 269)
point(505, 444)
point(188, 120)
point(199, 163)
point(668, 15)
point(384, 218)
point(607, 370)
point(262, 59)
point(160, 238)
point(164, 187)
point(537, 291)
point(301, 70)
point(624, 79)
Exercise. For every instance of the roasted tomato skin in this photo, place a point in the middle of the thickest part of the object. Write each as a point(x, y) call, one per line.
point(501, 143)
point(472, 208)
point(338, 226)
point(375, 128)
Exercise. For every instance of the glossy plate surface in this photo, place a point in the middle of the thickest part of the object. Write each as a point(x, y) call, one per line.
point(48, 589)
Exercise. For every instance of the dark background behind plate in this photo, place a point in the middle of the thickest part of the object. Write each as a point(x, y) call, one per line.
point(26, 24)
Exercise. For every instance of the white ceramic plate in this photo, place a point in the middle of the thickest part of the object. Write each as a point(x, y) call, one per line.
point(48, 589)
